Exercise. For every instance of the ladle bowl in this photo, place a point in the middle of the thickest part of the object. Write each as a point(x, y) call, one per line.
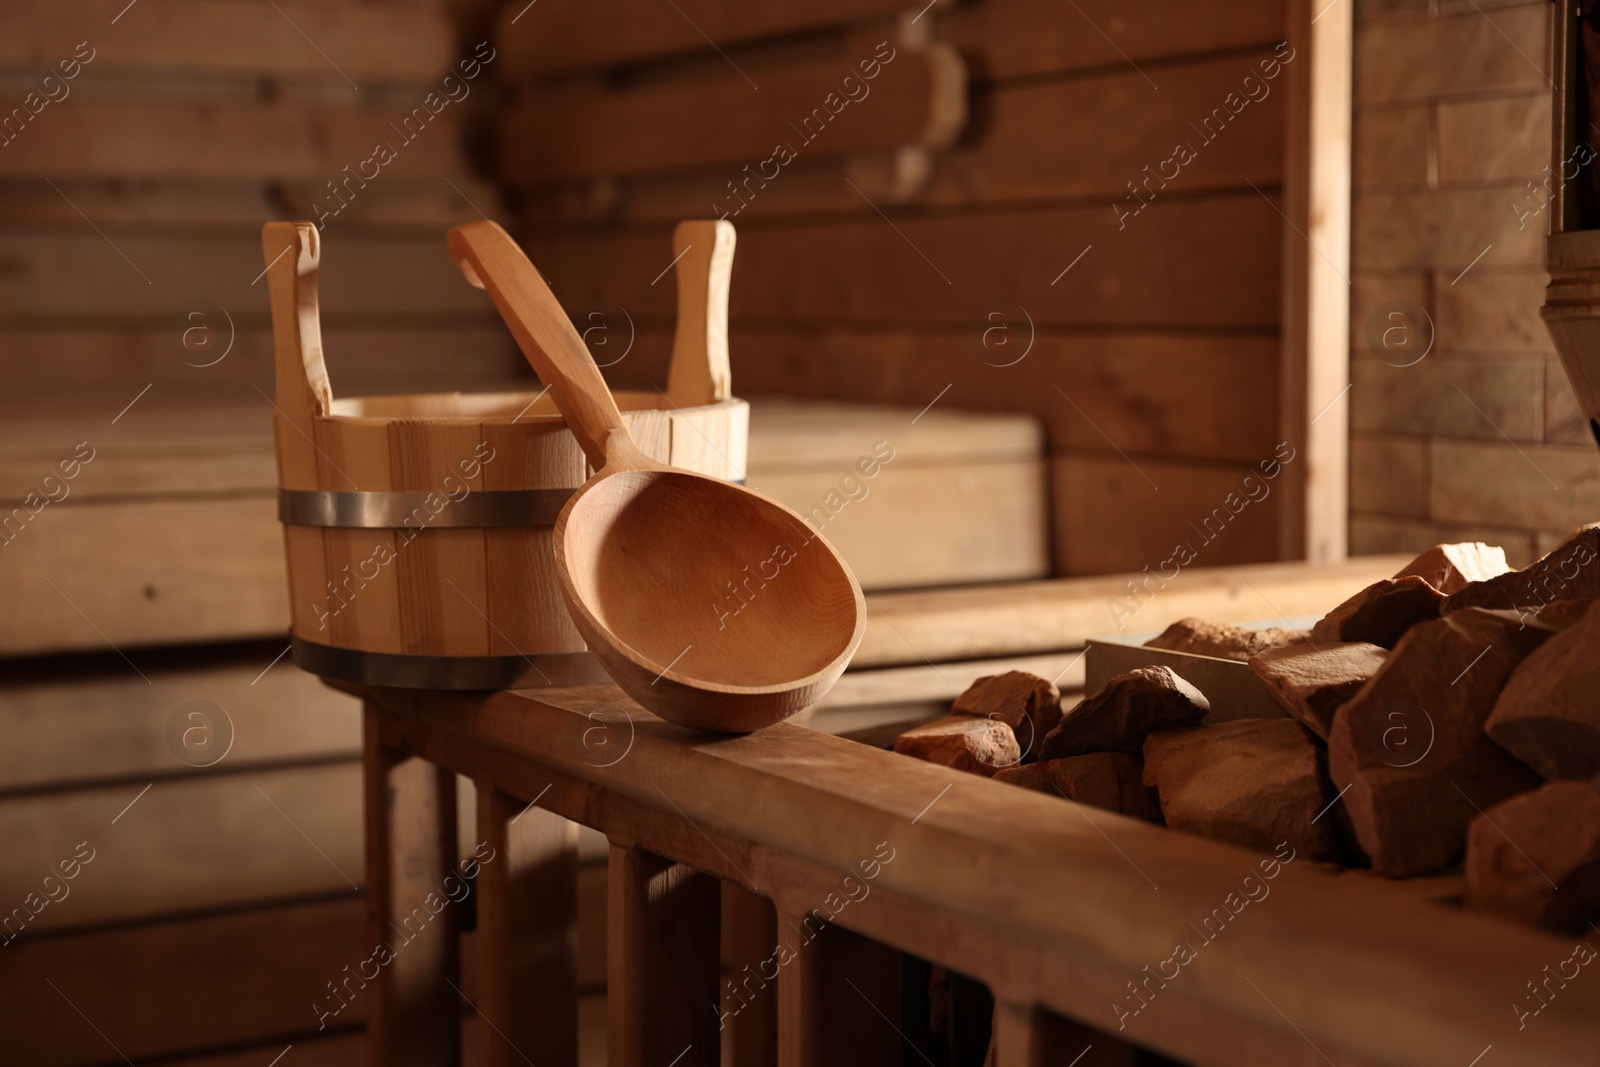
point(711, 605)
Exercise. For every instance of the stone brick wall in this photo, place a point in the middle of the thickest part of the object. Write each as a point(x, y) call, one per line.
point(1481, 438)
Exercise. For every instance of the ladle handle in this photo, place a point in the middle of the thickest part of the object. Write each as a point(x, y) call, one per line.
point(491, 260)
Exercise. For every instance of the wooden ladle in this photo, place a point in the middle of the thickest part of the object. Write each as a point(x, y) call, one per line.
point(708, 603)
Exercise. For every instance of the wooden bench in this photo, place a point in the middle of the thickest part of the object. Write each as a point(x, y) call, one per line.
point(1062, 911)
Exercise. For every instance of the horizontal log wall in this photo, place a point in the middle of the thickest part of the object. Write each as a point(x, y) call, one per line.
point(215, 900)
point(142, 147)
point(989, 270)
point(134, 181)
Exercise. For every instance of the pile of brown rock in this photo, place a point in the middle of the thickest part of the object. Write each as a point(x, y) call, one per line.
point(1449, 712)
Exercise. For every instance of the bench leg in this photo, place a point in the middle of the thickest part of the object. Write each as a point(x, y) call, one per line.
point(750, 999)
point(838, 997)
point(414, 1015)
point(527, 934)
point(661, 963)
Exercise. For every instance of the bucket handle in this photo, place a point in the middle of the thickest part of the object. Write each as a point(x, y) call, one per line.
point(292, 251)
point(699, 373)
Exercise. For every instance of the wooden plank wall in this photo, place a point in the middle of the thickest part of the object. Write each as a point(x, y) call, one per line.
point(964, 231)
point(214, 902)
point(208, 906)
point(142, 145)
point(132, 192)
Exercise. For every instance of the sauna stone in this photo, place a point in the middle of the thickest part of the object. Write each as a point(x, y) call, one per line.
point(1536, 857)
point(1110, 780)
point(1310, 683)
point(1557, 615)
point(1252, 782)
point(1548, 715)
point(1124, 712)
point(1451, 568)
point(1025, 702)
point(1411, 748)
point(981, 746)
point(1381, 613)
point(1222, 640)
point(1571, 572)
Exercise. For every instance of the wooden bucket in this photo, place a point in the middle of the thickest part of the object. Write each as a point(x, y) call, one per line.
point(418, 528)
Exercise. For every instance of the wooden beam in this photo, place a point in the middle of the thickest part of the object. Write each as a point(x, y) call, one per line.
point(184, 570)
point(173, 37)
point(815, 108)
point(1181, 395)
point(1115, 514)
point(212, 841)
point(64, 272)
point(403, 354)
point(242, 205)
point(889, 177)
point(955, 624)
point(1093, 135)
point(561, 36)
point(1185, 395)
point(189, 985)
point(1211, 262)
point(1012, 38)
point(1002, 38)
point(121, 721)
point(1316, 282)
point(1105, 135)
point(304, 142)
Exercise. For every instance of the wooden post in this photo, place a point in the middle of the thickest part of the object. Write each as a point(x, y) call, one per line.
point(749, 944)
point(527, 934)
point(661, 963)
point(838, 997)
point(414, 1017)
point(1315, 412)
